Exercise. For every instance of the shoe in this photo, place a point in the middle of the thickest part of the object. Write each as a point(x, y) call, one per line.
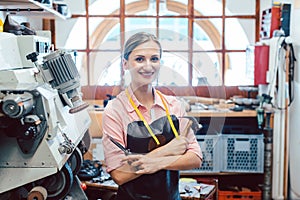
point(11, 26)
point(90, 169)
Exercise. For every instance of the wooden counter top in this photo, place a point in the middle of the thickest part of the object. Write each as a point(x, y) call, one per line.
point(222, 113)
point(218, 112)
point(206, 113)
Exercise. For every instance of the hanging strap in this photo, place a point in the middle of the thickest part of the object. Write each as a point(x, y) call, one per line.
point(145, 122)
point(142, 117)
point(168, 114)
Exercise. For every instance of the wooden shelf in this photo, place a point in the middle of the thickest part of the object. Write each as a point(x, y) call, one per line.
point(31, 8)
point(222, 113)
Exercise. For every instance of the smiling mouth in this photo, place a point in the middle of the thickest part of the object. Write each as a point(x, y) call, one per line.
point(146, 73)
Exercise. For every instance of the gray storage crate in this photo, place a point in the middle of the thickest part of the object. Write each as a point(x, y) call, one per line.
point(210, 146)
point(242, 153)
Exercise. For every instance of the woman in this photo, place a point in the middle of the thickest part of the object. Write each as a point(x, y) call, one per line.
point(148, 124)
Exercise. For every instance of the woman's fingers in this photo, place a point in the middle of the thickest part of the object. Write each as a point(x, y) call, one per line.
point(132, 159)
point(136, 162)
point(133, 156)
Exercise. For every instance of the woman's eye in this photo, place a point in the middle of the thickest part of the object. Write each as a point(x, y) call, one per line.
point(155, 59)
point(139, 59)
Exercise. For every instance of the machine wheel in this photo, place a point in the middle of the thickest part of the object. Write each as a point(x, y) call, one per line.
point(85, 143)
point(58, 185)
point(75, 161)
point(87, 139)
point(37, 193)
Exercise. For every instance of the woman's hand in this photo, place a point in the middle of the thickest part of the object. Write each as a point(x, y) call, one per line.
point(179, 145)
point(176, 146)
point(141, 163)
point(144, 164)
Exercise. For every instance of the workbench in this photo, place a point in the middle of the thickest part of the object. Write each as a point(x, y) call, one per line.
point(188, 190)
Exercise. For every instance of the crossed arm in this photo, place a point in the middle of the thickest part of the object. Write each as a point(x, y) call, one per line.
point(172, 156)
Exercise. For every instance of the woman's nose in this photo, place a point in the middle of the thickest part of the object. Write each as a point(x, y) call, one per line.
point(148, 64)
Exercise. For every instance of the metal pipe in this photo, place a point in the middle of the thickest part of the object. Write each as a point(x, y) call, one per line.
point(268, 157)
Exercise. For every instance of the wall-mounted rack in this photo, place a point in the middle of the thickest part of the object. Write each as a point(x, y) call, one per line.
point(31, 8)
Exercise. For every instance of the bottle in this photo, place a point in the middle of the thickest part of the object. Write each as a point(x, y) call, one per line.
point(1, 25)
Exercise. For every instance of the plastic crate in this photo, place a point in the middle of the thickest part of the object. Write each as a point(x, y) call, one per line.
point(252, 194)
point(210, 146)
point(242, 153)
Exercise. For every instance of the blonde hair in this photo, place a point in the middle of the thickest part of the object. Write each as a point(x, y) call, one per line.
point(137, 39)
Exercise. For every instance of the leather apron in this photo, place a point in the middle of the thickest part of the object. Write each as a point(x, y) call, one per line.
point(162, 185)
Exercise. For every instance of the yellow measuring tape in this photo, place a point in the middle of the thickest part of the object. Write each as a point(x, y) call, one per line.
point(145, 122)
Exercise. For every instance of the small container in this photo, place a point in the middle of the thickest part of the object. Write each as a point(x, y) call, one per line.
point(242, 153)
point(1, 25)
point(242, 194)
point(210, 146)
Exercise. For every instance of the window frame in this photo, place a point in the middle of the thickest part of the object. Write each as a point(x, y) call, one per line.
point(121, 16)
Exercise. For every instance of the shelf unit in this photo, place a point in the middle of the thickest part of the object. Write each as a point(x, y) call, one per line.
point(31, 8)
point(231, 124)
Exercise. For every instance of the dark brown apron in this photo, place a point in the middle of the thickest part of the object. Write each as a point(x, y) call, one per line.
point(162, 185)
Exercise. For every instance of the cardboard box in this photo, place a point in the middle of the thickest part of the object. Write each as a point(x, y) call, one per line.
point(96, 124)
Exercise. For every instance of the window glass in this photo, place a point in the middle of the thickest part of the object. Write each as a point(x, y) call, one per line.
point(207, 34)
point(104, 33)
point(238, 7)
point(207, 69)
point(100, 7)
point(207, 7)
point(239, 33)
point(133, 25)
point(236, 72)
point(148, 7)
point(137, 7)
point(173, 33)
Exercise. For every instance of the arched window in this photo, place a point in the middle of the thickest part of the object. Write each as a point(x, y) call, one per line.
point(205, 42)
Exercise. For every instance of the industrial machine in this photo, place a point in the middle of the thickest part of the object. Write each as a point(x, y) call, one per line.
point(43, 123)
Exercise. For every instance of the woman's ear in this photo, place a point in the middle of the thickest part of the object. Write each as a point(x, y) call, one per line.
point(124, 64)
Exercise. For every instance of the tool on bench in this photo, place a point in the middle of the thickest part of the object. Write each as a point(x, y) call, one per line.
point(126, 151)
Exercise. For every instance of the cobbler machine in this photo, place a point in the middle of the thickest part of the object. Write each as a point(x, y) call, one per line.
point(43, 120)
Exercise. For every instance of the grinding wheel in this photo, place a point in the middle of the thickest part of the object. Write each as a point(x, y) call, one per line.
point(37, 193)
point(58, 185)
point(75, 161)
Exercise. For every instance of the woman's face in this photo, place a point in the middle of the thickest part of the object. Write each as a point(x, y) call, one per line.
point(143, 63)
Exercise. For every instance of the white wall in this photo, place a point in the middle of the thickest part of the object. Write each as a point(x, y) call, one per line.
point(294, 116)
